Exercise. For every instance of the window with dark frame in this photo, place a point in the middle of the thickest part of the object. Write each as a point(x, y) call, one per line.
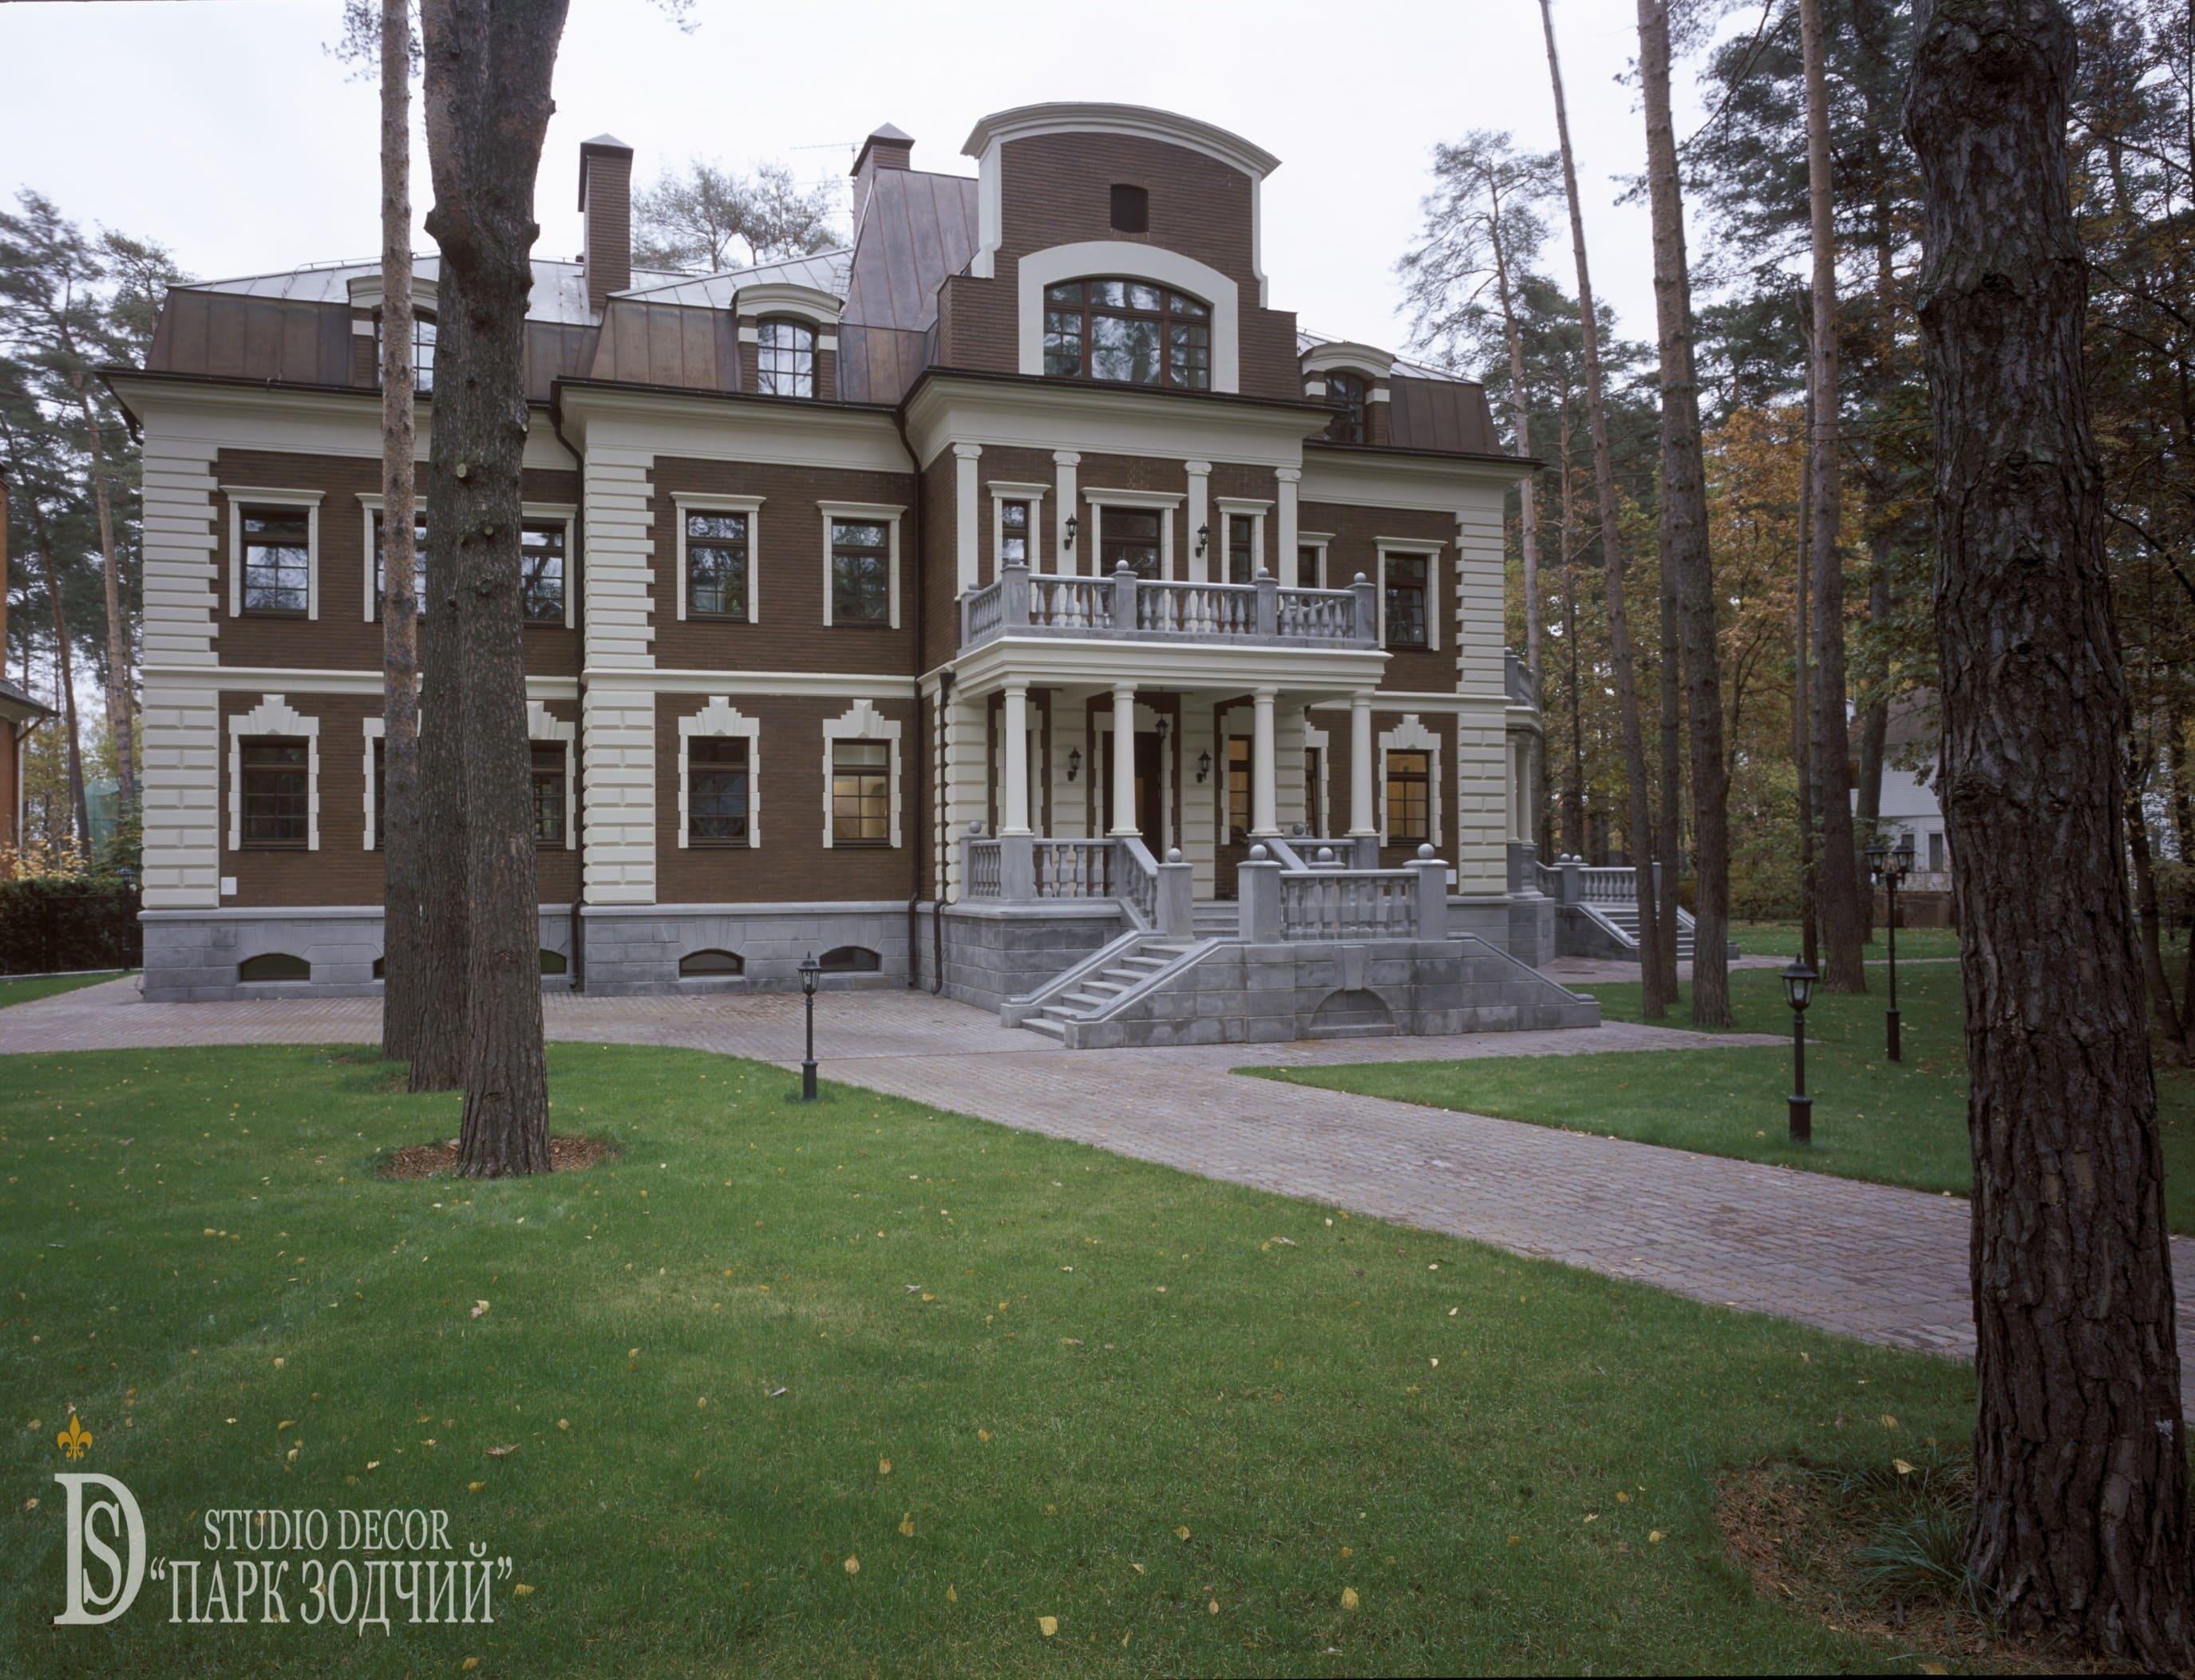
point(860, 793)
point(716, 564)
point(418, 561)
point(860, 571)
point(1407, 583)
point(277, 792)
point(1127, 332)
point(277, 559)
point(1409, 798)
point(380, 791)
point(784, 358)
point(717, 802)
point(1238, 790)
point(1347, 392)
point(423, 353)
point(541, 571)
point(1013, 533)
point(1131, 209)
point(548, 772)
point(1307, 568)
point(1130, 536)
point(1242, 548)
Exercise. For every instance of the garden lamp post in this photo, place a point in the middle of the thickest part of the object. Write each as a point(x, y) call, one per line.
point(1798, 989)
point(1890, 867)
point(810, 969)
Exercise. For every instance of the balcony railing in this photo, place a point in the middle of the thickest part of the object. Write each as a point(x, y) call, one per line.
point(1126, 608)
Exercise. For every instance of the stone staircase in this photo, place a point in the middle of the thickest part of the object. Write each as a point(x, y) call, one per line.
point(1217, 918)
point(1137, 962)
point(1624, 919)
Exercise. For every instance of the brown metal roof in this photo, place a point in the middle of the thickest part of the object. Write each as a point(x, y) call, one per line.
point(1443, 414)
point(916, 229)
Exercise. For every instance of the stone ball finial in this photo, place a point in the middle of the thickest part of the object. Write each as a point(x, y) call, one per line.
point(1361, 578)
point(1259, 855)
point(1174, 854)
point(1425, 853)
point(1326, 855)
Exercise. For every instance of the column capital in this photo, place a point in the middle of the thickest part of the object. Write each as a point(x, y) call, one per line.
point(1123, 688)
point(1198, 468)
point(1288, 475)
point(966, 451)
point(1065, 457)
point(1266, 692)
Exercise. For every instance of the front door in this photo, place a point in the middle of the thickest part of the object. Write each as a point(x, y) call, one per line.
point(1150, 812)
point(1234, 847)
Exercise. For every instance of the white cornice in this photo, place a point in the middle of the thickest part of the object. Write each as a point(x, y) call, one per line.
point(1102, 420)
point(292, 421)
point(1376, 479)
point(1026, 121)
point(1200, 665)
point(710, 428)
point(307, 680)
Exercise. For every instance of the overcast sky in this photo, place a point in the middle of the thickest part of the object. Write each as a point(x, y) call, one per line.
point(222, 128)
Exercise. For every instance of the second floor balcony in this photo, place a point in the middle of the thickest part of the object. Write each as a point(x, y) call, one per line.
point(1125, 607)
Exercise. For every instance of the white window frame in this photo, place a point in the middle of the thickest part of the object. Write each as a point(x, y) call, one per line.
point(1315, 739)
point(1226, 507)
point(1411, 735)
point(1003, 490)
point(1121, 259)
point(1431, 551)
point(1100, 497)
point(529, 512)
point(872, 512)
point(721, 718)
point(241, 496)
point(273, 716)
point(543, 725)
point(684, 502)
point(376, 729)
point(861, 722)
point(1322, 576)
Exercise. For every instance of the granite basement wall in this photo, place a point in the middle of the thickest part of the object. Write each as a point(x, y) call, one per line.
point(192, 956)
point(994, 952)
point(633, 950)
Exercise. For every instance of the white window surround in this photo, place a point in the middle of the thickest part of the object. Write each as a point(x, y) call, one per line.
point(764, 298)
point(1003, 490)
point(243, 496)
point(1426, 549)
point(1323, 542)
point(1161, 502)
point(1315, 799)
point(542, 726)
point(1119, 258)
point(861, 722)
point(1412, 736)
point(882, 513)
point(273, 716)
point(721, 718)
point(1224, 508)
point(376, 730)
point(530, 512)
point(684, 502)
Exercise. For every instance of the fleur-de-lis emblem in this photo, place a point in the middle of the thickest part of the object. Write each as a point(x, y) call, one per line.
point(75, 1439)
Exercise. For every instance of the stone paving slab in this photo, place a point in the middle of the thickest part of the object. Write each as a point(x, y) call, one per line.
point(1885, 1264)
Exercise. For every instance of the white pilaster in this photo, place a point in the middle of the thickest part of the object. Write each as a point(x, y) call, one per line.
point(1015, 813)
point(965, 528)
point(1284, 562)
point(617, 728)
point(1361, 821)
point(182, 722)
point(1123, 760)
point(1200, 486)
point(1264, 806)
point(1066, 461)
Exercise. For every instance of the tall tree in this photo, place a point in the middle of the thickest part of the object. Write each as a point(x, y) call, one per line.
point(488, 67)
point(2080, 1527)
point(1656, 1000)
point(1837, 870)
point(702, 219)
point(19, 440)
point(1685, 552)
point(403, 991)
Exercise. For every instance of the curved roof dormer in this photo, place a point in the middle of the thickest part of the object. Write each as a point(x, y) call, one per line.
point(788, 297)
point(1374, 365)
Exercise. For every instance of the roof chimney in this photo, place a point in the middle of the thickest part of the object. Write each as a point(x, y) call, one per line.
point(885, 149)
point(606, 196)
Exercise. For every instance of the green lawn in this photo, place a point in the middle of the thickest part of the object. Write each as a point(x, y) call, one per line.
point(1015, 1379)
point(1781, 939)
point(47, 986)
point(1895, 1123)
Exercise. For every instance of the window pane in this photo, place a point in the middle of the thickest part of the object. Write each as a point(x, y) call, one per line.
point(1190, 356)
point(1131, 536)
point(1242, 548)
point(1108, 294)
point(785, 359)
point(1063, 345)
point(419, 562)
point(717, 564)
point(1238, 789)
point(861, 792)
point(716, 794)
point(1409, 798)
point(1013, 533)
point(541, 572)
point(1143, 297)
point(1123, 351)
point(277, 559)
point(276, 792)
point(1186, 306)
point(1406, 601)
point(860, 575)
point(548, 793)
point(1306, 568)
point(1070, 295)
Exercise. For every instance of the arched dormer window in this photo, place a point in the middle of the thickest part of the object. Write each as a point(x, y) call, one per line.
point(1127, 332)
point(422, 351)
point(1347, 392)
point(785, 357)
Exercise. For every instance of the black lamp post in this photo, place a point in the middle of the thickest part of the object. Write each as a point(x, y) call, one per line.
point(1890, 868)
point(810, 969)
point(1798, 989)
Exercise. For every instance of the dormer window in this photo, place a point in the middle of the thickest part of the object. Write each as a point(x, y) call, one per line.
point(785, 359)
point(422, 352)
point(1127, 332)
point(1347, 392)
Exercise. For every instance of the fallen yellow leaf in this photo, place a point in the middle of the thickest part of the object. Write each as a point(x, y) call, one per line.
point(474, 1487)
point(469, 1665)
point(521, 1590)
point(1214, 1607)
point(950, 1596)
point(1902, 1467)
point(1349, 1598)
point(884, 1467)
point(1654, 1536)
point(1181, 1534)
point(1047, 1626)
point(853, 1565)
point(907, 1525)
point(982, 1435)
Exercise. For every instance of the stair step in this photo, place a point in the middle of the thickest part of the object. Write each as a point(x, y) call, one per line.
point(1049, 1027)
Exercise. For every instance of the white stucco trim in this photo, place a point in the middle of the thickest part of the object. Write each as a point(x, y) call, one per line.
point(1430, 550)
point(376, 729)
point(371, 502)
point(1003, 490)
point(242, 496)
point(273, 716)
point(1120, 257)
point(684, 502)
point(861, 722)
point(1375, 364)
point(871, 512)
point(1161, 502)
point(541, 725)
point(786, 297)
point(721, 718)
point(1315, 799)
point(1412, 736)
point(1322, 541)
point(1227, 506)
point(1065, 462)
point(966, 458)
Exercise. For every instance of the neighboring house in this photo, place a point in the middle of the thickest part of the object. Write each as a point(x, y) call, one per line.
point(982, 565)
point(1910, 808)
point(19, 715)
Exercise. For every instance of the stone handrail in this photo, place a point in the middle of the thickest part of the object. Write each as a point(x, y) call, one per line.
point(1278, 902)
point(1075, 868)
point(982, 869)
point(1020, 602)
point(1119, 869)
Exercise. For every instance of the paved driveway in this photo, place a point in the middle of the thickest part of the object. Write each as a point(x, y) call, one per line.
point(1867, 1260)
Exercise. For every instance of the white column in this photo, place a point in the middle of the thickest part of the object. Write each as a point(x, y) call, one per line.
point(1200, 482)
point(1265, 802)
point(1016, 814)
point(965, 526)
point(1284, 563)
point(1066, 460)
point(1360, 765)
point(1123, 760)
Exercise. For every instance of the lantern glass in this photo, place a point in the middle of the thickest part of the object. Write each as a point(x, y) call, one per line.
point(810, 969)
point(1905, 854)
point(1798, 986)
point(1876, 852)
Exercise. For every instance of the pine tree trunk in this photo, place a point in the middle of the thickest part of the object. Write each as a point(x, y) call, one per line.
point(1685, 533)
point(1669, 831)
point(64, 663)
point(398, 817)
point(121, 714)
point(2080, 1525)
point(489, 65)
point(1528, 522)
point(1837, 877)
point(1655, 1001)
point(1802, 754)
point(1574, 777)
